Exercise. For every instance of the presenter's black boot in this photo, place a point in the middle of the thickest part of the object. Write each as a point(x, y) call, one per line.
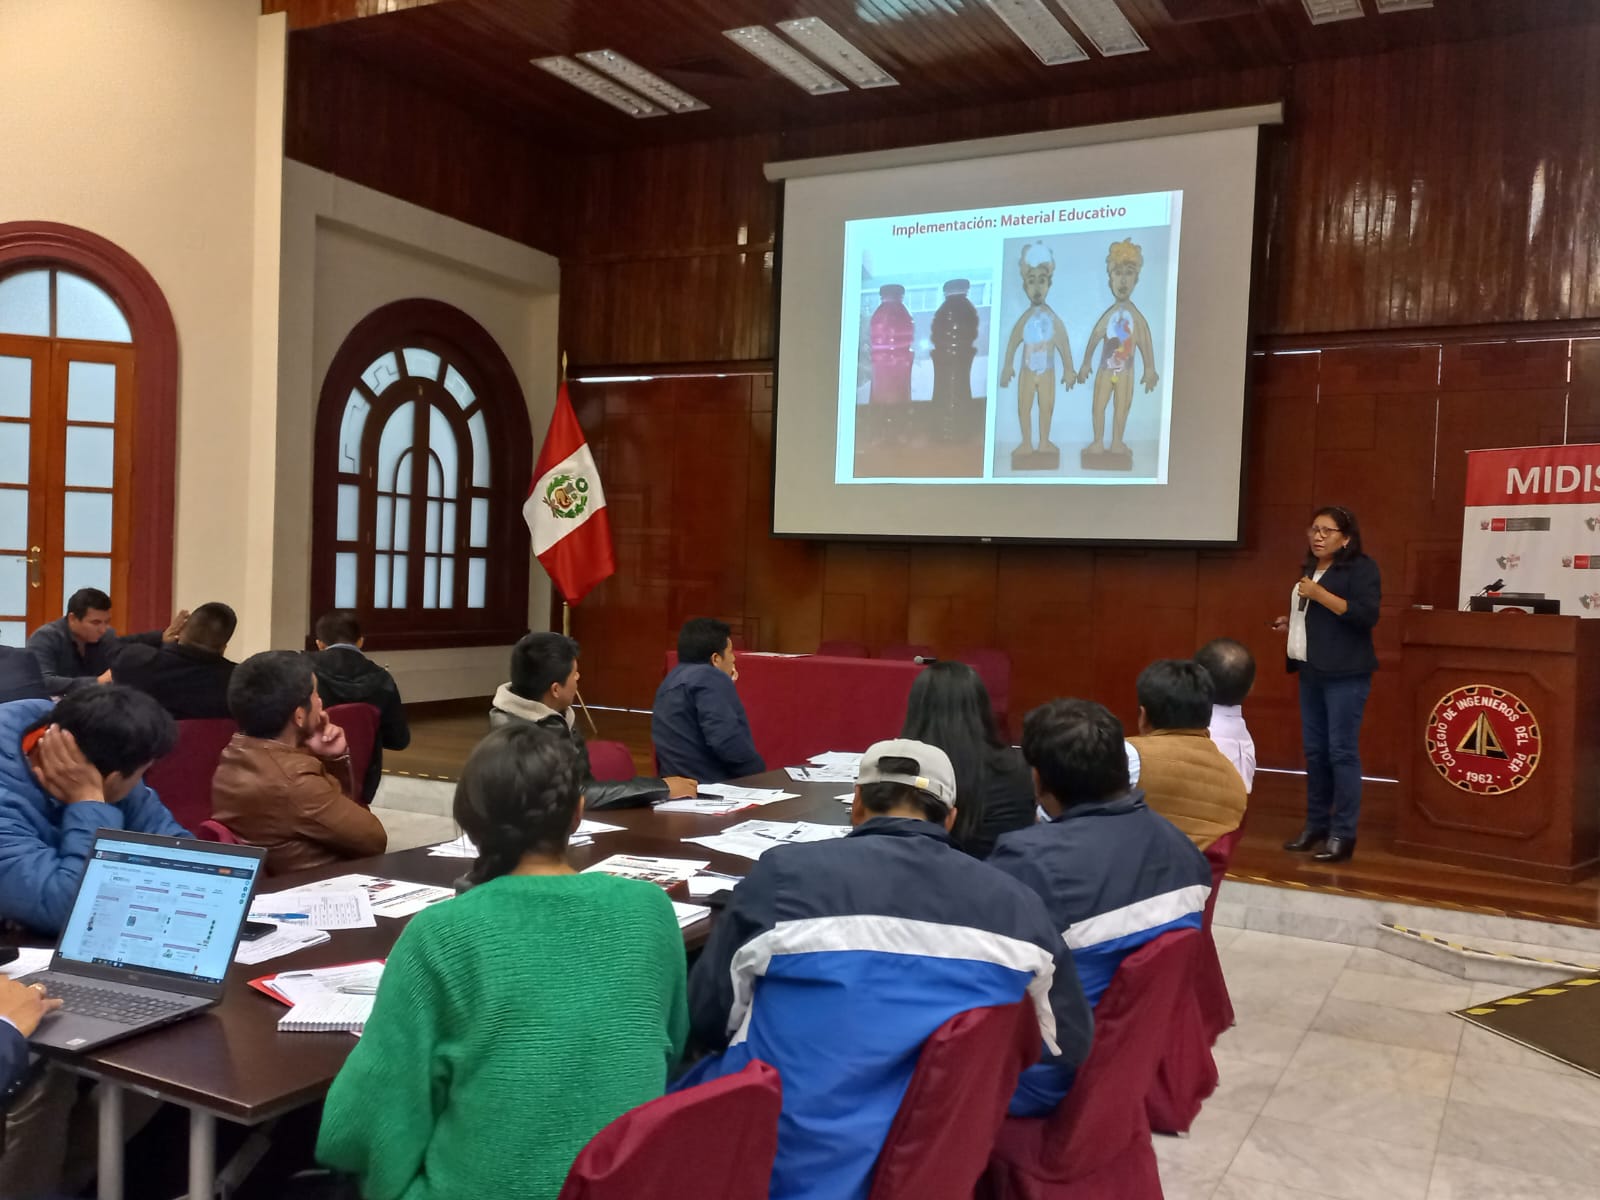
point(1309, 839)
point(1338, 850)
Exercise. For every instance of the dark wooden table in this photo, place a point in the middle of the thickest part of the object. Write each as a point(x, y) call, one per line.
point(232, 1063)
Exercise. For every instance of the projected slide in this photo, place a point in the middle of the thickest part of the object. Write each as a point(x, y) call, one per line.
point(1031, 343)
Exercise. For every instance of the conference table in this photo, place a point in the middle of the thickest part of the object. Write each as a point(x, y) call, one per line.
point(232, 1064)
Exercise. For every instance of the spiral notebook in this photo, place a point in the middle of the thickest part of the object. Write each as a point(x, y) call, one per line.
point(334, 1013)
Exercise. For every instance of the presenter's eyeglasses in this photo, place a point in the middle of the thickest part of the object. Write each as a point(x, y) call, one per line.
point(1323, 531)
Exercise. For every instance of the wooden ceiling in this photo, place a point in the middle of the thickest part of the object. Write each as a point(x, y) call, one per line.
point(945, 53)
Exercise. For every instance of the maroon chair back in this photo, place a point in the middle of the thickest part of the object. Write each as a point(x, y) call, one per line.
point(843, 649)
point(360, 725)
point(906, 651)
point(610, 761)
point(216, 831)
point(994, 668)
point(1211, 989)
point(717, 1139)
point(183, 778)
point(937, 1148)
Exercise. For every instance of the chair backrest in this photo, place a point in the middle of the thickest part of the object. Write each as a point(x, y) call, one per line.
point(1219, 854)
point(843, 649)
point(183, 778)
point(906, 651)
point(943, 1134)
point(360, 725)
point(1106, 1108)
point(216, 831)
point(716, 1139)
point(610, 761)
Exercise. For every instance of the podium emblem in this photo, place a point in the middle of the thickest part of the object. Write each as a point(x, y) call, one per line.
point(1483, 739)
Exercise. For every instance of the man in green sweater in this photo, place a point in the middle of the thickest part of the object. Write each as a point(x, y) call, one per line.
point(515, 1021)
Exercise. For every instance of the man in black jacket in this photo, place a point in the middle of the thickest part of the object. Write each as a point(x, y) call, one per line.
point(542, 691)
point(189, 677)
point(345, 675)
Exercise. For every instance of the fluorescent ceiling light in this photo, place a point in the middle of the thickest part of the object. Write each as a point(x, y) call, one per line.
point(598, 86)
point(1389, 6)
point(784, 59)
point(647, 84)
point(1104, 24)
point(827, 47)
point(1323, 11)
point(1039, 30)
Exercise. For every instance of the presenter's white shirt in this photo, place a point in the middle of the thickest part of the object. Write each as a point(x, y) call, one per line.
point(1233, 739)
point(1297, 619)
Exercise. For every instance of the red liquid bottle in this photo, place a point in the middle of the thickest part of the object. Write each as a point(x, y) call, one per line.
point(892, 332)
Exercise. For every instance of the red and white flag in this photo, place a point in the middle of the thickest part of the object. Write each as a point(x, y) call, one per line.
point(566, 508)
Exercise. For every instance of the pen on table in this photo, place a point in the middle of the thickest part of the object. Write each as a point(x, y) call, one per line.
point(358, 989)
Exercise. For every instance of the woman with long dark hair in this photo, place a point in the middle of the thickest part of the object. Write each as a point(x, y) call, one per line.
point(1332, 611)
point(518, 1019)
point(949, 708)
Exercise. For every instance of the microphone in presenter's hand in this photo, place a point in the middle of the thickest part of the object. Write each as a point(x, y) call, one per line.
point(1303, 603)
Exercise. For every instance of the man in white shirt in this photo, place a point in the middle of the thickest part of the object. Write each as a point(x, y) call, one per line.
point(1233, 672)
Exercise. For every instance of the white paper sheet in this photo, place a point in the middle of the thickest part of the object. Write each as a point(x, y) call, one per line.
point(27, 961)
point(355, 978)
point(752, 839)
point(462, 847)
point(285, 939)
point(705, 806)
point(749, 795)
point(709, 884)
point(837, 758)
point(661, 871)
point(688, 914)
point(346, 908)
point(829, 774)
point(389, 897)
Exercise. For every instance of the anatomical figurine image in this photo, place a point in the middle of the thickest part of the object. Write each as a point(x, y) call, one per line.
point(1120, 333)
point(1041, 334)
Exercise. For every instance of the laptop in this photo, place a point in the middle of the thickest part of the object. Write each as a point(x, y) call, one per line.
point(152, 932)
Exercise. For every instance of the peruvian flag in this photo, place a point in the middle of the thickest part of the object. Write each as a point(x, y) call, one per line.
point(566, 508)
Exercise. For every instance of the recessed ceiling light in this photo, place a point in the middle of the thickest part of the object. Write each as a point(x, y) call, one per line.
point(646, 83)
point(828, 47)
point(1104, 24)
point(598, 86)
point(1390, 6)
point(784, 59)
point(1323, 11)
point(1039, 30)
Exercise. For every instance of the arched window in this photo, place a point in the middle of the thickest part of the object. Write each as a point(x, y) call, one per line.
point(423, 454)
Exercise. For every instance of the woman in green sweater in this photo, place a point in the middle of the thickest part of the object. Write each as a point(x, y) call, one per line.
point(514, 1021)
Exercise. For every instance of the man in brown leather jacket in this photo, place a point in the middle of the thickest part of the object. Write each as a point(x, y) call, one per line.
point(284, 780)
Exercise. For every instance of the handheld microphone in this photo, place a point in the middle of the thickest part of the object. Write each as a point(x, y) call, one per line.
point(1304, 603)
point(923, 660)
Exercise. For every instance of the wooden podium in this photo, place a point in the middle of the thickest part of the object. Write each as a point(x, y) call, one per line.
point(1504, 710)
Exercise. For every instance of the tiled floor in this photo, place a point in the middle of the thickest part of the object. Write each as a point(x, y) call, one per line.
point(1346, 1078)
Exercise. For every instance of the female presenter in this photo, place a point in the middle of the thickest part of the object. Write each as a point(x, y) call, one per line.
point(1332, 611)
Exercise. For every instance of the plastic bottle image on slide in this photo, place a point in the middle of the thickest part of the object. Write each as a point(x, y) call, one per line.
point(955, 334)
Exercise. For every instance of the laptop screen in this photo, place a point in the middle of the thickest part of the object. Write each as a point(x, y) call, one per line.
point(173, 910)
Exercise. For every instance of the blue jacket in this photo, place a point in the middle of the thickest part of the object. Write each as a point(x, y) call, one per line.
point(699, 728)
point(834, 961)
point(13, 1057)
point(44, 844)
point(1114, 875)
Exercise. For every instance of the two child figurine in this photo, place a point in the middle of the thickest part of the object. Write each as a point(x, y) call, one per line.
point(1120, 332)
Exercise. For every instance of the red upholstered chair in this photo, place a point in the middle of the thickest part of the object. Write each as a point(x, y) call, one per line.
point(1096, 1146)
point(844, 649)
point(1216, 1008)
point(610, 761)
point(936, 1148)
point(994, 668)
point(714, 1140)
point(183, 778)
point(906, 651)
point(216, 831)
point(360, 725)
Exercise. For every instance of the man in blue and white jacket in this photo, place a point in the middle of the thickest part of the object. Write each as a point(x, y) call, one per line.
point(1113, 873)
point(835, 960)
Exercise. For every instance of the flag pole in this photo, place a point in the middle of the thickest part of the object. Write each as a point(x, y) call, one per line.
point(566, 609)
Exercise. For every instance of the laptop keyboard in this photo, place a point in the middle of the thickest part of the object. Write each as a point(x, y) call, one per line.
point(109, 1004)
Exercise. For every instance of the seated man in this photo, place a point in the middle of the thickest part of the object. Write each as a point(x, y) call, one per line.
point(188, 677)
point(284, 779)
point(1233, 673)
point(22, 1007)
point(835, 960)
point(1185, 777)
point(1113, 874)
point(697, 721)
point(20, 677)
point(66, 771)
point(347, 676)
point(542, 691)
point(78, 649)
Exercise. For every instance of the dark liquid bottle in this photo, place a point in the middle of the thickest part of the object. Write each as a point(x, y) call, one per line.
point(955, 334)
point(892, 332)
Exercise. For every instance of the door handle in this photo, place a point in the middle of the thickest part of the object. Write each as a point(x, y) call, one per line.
point(35, 567)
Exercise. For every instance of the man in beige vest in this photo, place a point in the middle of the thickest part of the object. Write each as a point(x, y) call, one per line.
point(1184, 776)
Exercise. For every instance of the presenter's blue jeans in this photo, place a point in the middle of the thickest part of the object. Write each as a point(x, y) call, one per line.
point(1330, 726)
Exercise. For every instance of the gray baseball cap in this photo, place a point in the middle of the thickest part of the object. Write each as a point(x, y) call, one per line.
point(934, 773)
